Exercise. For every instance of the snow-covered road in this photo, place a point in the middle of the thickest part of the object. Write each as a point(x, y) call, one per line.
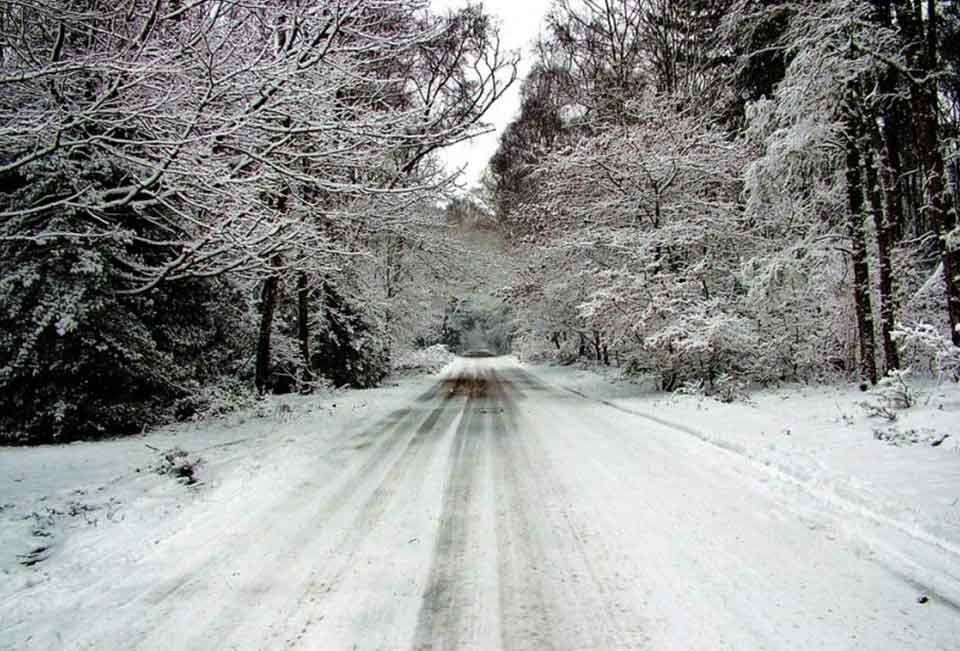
point(497, 511)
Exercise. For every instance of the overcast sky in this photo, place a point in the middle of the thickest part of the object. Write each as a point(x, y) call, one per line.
point(520, 22)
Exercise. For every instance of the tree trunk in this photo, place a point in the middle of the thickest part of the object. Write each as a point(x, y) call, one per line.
point(861, 271)
point(881, 222)
point(892, 172)
point(891, 168)
point(942, 217)
point(303, 332)
point(938, 207)
point(268, 306)
point(923, 58)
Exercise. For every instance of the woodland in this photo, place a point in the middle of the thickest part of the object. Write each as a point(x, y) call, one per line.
point(725, 193)
point(207, 201)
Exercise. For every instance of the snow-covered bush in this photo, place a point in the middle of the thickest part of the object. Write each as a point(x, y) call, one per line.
point(424, 360)
point(180, 464)
point(798, 302)
point(892, 394)
point(350, 347)
point(728, 389)
point(697, 341)
point(78, 359)
point(895, 436)
point(694, 387)
point(895, 390)
point(226, 395)
point(929, 345)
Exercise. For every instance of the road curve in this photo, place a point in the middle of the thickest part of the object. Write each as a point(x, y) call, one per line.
point(499, 512)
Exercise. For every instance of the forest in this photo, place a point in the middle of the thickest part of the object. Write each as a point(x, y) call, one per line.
point(207, 201)
point(725, 193)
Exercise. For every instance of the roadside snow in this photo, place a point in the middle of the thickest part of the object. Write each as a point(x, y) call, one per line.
point(822, 439)
point(77, 507)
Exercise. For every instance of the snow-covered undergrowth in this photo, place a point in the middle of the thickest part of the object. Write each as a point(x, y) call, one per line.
point(423, 360)
point(905, 471)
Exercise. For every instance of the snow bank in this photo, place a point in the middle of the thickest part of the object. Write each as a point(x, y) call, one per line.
point(425, 360)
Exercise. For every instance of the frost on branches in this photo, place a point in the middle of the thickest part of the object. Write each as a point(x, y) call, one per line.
point(212, 150)
point(643, 219)
point(778, 223)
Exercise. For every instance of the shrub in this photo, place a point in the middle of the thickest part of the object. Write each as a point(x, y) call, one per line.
point(350, 346)
point(79, 360)
point(925, 342)
point(180, 464)
point(891, 395)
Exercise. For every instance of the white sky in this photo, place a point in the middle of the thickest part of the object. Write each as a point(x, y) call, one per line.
point(520, 22)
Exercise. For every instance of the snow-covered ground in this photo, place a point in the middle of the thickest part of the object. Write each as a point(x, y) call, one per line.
point(822, 439)
point(496, 506)
point(90, 508)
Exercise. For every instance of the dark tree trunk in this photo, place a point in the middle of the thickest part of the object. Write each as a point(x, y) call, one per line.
point(913, 219)
point(855, 217)
point(268, 307)
point(891, 168)
point(892, 175)
point(921, 37)
point(890, 146)
point(597, 348)
point(940, 208)
point(881, 222)
point(303, 331)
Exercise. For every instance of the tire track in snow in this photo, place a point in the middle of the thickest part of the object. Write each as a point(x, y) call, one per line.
point(525, 620)
point(535, 599)
point(300, 506)
point(444, 608)
point(584, 611)
point(396, 422)
point(405, 473)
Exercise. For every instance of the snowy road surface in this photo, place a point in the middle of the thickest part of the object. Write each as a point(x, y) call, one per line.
point(495, 511)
